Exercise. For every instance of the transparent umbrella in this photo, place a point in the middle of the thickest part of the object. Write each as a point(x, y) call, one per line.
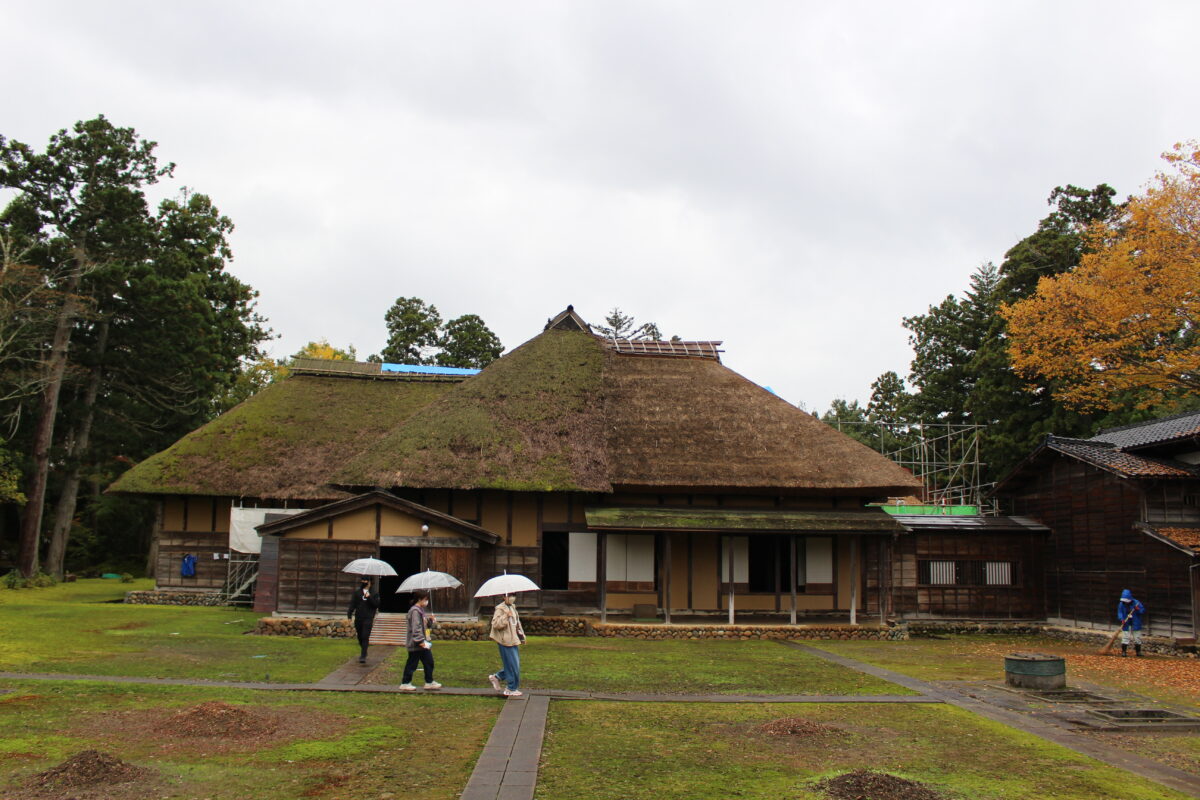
point(429, 579)
point(369, 566)
point(506, 584)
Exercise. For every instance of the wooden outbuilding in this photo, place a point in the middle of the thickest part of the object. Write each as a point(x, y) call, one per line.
point(1123, 512)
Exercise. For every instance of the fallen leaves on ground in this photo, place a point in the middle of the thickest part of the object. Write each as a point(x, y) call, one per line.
point(866, 784)
point(1164, 672)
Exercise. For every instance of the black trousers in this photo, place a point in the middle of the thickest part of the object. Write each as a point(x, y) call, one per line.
point(363, 628)
point(425, 657)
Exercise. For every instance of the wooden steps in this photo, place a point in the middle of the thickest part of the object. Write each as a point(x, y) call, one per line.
point(389, 629)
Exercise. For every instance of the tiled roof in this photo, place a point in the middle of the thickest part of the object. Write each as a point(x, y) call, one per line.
point(1108, 457)
point(1185, 537)
point(1180, 426)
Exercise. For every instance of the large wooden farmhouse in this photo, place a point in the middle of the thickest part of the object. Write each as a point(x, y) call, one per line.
point(1123, 508)
point(617, 474)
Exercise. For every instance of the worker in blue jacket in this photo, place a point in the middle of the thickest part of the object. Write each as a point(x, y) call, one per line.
point(1129, 614)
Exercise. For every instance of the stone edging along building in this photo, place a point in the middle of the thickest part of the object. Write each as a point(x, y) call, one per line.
point(621, 476)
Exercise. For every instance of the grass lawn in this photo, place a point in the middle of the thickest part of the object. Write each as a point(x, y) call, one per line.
point(297, 744)
point(609, 750)
point(981, 658)
point(82, 628)
point(660, 667)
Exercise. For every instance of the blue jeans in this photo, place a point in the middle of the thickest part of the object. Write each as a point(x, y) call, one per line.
point(511, 671)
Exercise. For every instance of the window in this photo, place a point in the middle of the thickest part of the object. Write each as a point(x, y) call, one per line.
point(966, 573)
point(761, 563)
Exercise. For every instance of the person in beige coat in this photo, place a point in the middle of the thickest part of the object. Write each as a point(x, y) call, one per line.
point(509, 635)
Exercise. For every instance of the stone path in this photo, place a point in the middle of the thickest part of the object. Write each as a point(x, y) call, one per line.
point(508, 766)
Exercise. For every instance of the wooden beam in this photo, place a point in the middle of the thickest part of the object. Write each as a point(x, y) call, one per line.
point(853, 580)
point(602, 574)
point(732, 577)
point(792, 572)
point(667, 590)
point(427, 541)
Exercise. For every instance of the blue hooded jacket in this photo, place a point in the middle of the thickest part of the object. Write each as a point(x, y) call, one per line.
point(1130, 603)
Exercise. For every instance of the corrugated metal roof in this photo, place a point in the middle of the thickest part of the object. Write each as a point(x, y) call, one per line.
point(981, 524)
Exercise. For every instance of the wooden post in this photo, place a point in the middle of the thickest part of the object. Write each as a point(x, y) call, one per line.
point(732, 576)
point(602, 574)
point(853, 580)
point(667, 581)
point(792, 572)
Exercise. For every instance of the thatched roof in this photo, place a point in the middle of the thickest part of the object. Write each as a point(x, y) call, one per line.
point(691, 422)
point(531, 421)
point(285, 441)
point(566, 411)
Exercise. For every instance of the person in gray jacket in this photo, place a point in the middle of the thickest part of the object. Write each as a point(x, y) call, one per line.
point(418, 644)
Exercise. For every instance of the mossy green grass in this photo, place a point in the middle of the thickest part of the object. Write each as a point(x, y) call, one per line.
point(83, 628)
point(713, 752)
point(370, 744)
point(657, 667)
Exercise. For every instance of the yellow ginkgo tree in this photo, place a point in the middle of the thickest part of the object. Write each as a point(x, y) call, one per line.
point(1124, 322)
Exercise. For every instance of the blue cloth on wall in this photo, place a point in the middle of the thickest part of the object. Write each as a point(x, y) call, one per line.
point(188, 568)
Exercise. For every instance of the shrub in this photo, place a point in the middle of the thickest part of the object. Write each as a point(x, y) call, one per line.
point(40, 581)
point(13, 580)
point(126, 577)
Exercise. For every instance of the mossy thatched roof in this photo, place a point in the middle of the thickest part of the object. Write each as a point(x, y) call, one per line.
point(563, 412)
point(285, 441)
point(531, 421)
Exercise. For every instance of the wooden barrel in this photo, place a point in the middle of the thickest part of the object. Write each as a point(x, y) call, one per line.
point(1035, 671)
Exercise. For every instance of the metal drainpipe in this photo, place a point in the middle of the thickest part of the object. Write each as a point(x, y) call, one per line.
point(1195, 611)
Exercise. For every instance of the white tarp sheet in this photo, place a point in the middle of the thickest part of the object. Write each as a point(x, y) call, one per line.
point(242, 522)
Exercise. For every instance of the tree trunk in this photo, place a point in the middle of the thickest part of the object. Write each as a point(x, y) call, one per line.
point(43, 436)
point(64, 512)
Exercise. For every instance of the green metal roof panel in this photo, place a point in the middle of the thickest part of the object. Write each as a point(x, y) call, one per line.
point(741, 520)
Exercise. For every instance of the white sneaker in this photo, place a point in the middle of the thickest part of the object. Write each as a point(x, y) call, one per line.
point(512, 693)
point(407, 687)
point(433, 685)
point(495, 682)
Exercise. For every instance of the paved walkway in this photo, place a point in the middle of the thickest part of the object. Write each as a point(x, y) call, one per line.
point(508, 766)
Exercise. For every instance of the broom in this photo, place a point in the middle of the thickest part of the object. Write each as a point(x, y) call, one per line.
point(1112, 639)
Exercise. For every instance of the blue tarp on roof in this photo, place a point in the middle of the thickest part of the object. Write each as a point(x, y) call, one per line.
point(427, 370)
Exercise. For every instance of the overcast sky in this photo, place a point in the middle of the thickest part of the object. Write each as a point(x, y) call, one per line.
point(791, 178)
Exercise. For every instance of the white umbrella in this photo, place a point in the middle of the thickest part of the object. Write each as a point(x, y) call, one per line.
point(369, 566)
point(429, 579)
point(506, 584)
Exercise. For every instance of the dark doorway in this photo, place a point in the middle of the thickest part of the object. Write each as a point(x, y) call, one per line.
point(555, 560)
point(406, 561)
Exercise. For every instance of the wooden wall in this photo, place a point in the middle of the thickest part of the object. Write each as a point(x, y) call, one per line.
point(902, 586)
point(309, 573)
point(1094, 551)
point(196, 525)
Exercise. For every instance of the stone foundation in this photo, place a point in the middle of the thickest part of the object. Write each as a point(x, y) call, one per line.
point(582, 626)
point(340, 628)
point(156, 597)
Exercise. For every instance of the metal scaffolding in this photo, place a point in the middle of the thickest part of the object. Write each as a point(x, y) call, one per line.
point(943, 456)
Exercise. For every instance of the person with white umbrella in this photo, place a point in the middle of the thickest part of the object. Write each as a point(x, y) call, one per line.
point(506, 629)
point(418, 644)
point(364, 602)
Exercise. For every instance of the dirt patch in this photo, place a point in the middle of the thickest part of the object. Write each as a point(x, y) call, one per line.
point(865, 784)
point(800, 727)
point(1172, 749)
point(220, 719)
point(128, 626)
point(89, 774)
point(211, 727)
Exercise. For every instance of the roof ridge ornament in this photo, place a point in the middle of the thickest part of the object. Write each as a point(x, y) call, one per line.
point(568, 320)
